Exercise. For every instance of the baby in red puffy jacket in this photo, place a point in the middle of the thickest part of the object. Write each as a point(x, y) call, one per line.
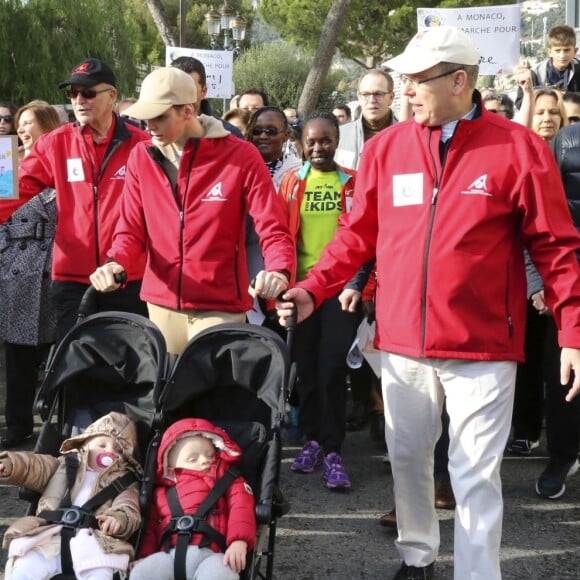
point(193, 457)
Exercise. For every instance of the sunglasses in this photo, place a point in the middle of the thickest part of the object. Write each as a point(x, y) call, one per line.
point(573, 119)
point(85, 93)
point(7, 118)
point(269, 132)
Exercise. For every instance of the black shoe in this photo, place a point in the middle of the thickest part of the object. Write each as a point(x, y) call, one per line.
point(357, 418)
point(413, 573)
point(377, 428)
point(14, 439)
point(551, 483)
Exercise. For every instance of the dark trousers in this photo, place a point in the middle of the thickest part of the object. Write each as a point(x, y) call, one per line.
point(538, 386)
point(320, 347)
point(66, 297)
point(441, 456)
point(22, 364)
point(528, 410)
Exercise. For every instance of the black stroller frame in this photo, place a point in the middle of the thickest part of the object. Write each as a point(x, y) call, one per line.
point(110, 361)
point(237, 376)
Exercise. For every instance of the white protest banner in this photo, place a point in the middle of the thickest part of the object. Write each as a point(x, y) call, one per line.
point(495, 31)
point(219, 68)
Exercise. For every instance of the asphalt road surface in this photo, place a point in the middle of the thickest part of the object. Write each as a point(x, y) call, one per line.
point(336, 536)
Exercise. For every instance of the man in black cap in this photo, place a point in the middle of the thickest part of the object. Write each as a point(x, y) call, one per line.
point(85, 163)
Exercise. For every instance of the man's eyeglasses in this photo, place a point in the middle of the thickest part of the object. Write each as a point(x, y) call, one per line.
point(256, 132)
point(6, 118)
point(499, 111)
point(85, 93)
point(416, 83)
point(378, 95)
point(573, 119)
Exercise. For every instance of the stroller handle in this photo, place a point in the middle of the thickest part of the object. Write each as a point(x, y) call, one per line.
point(90, 300)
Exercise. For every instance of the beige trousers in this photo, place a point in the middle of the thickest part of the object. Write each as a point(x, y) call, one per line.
point(179, 326)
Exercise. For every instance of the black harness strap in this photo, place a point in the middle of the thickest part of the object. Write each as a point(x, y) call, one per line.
point(73, 517)
point(185, 525)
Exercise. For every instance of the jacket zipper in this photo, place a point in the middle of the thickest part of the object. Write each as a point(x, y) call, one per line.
point(196, 143)
point(426, 251)
point(96, 180)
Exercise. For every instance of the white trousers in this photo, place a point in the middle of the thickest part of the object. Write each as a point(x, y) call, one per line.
point(479, 403)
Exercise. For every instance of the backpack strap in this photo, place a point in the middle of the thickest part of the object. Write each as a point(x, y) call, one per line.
point(185, 525)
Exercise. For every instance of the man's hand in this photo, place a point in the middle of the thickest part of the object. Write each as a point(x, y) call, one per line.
point(349, 299)
point(523, 76)
point(303, 302)
point(539, 303)
point(570, 361)
point(103, 278)
point(269, 285)
point(235, 556)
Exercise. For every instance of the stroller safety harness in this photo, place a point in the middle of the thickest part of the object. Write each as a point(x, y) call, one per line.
point(73, 517)
point(185, 525)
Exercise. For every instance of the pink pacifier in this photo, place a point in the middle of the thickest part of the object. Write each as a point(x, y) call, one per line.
point(105, 459)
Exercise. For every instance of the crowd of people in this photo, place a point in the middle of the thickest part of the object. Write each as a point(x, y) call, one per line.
point(468, 265)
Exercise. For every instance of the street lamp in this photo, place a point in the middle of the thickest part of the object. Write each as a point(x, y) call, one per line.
point(232, 25)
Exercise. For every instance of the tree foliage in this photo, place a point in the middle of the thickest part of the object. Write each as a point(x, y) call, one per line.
point(281, 71)
point(373, 29)
point(46, 38)
point(323, 58)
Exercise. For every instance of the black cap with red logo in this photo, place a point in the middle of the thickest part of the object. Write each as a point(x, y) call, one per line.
point(90, 72)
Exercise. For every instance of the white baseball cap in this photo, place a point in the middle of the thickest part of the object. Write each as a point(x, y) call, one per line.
point(160, 90)
point(434, 45)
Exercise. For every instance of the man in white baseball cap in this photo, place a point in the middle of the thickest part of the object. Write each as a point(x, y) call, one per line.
point(186, 195)
point(446, 202)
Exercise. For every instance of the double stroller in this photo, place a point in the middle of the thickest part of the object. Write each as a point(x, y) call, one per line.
point(235, 375)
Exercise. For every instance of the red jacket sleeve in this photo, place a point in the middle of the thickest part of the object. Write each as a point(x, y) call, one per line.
point(242, 518)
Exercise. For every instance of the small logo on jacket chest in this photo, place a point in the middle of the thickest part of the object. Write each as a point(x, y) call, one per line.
point(215, 193)
point(478, 187)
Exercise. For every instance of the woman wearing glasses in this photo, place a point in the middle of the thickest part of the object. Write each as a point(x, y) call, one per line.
point(7, 125)
point(268, 132)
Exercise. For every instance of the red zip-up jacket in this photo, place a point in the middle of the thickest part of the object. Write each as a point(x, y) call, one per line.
point(449, 239)
point(233, 515)
point(194, 237)
point(88, 197)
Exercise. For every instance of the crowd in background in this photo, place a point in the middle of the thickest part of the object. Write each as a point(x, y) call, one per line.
point(303, 173)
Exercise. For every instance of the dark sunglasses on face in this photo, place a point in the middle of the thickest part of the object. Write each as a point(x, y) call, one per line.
point(85, 93)
point(573, 119)
point(269, 132)
point(7, 118)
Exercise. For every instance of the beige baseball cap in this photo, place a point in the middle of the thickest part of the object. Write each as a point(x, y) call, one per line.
point(160, 90)
point(432, 46)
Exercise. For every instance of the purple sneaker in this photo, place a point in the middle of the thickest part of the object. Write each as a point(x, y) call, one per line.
point(334, 473)
point(308, 459)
